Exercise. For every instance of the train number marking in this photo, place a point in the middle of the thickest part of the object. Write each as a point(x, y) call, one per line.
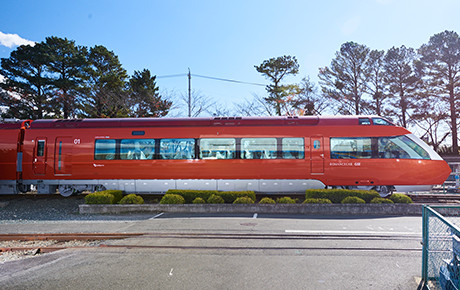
point(76, 141)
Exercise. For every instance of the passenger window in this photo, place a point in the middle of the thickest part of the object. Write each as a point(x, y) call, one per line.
point(137, 149)
point(217, 148)
point(177, 149)
point(400, 147)
point(351, 148)
point(41, 148)
point(105, 149)
point(293, 148)
point(380, 121)
point(258, 148)
point(364, 121)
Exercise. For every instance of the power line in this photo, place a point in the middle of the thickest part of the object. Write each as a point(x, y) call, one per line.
point(228, 80)
point(212, 78)
point(171, 76)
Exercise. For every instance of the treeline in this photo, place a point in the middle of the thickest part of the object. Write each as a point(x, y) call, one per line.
point(59, 79)
point(413, 87)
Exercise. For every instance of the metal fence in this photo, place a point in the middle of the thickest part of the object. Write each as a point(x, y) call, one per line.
point(441, 249)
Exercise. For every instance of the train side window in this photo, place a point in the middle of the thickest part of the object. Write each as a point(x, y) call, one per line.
point(293, 148)
point(351, 148)
point(134, 149)
point(381, 121)
point(41, 148)
point(177, 148)
point(217, 148)
point(258, 148)
point(400, 147)
point(105, 149)
point(364, 121)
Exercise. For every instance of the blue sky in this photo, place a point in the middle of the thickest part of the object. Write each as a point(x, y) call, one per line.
point(225, 39)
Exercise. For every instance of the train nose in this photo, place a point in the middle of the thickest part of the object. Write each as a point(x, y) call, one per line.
point(444, 172)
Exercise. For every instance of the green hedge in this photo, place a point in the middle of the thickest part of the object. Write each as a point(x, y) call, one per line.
point(381, 200)
point(131, 199)
point(231, 196)
point(267, 200)
point(215, 199)
point(190, 195)
point(400, 198)
point(337, 195)
point(317, 200)
point(198, 200)
point(352, 199)
point(243, 200)
point(172, 199)
point(227, 196)
point(99, 198)
point(285, 199)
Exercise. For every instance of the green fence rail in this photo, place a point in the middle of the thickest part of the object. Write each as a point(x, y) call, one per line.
point(441, 249)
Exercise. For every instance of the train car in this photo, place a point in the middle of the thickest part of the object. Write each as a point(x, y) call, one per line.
point(264, 154)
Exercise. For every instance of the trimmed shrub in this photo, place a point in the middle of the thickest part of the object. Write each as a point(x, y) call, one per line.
point(172, 199)
point(231, 196)
point(243, 200)
point(317, 200)
point(400, 198)
point(352, 199)
point(381, 200)
point(117, 194)
point(285, 199)
point(215, 199)
point(190, 195)
point(199, 200)
point(99, 198)
point(337, 195)
point(132, 199)
point(267, 200)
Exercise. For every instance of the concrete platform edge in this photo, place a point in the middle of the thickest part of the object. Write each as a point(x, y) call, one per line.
point(316, 209)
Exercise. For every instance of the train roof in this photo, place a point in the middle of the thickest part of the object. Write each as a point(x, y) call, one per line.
point(197, 122)
point(191, 122)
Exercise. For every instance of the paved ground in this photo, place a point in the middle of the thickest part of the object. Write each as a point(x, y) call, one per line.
point(226, 252)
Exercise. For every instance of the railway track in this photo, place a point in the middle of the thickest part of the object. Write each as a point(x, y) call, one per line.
point(435, 198)
point(61, 238)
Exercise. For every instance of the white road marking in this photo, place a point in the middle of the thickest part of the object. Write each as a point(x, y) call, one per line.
point(170, 272)
point(350, 232)
point(158, 215)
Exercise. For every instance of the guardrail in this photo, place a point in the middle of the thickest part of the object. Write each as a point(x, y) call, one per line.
point(441, 249)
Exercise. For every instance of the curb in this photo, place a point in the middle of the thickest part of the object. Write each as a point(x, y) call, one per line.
point(304, 209)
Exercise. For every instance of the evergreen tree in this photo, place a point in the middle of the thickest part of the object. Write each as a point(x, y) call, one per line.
point(66, 63)
point(440, 61)
point(275, 69)
point(401, 80)
point(345, 81)
point(104, 93)
point(26, 86)
point(376, 84)
point(144, 96)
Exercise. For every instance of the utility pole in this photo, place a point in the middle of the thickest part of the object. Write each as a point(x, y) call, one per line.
point(189, 93)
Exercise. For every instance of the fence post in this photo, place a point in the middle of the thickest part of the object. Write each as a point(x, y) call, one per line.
point(425, 245)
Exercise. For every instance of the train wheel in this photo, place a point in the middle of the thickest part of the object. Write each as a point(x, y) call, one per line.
point(67, 190)
point(384, 190)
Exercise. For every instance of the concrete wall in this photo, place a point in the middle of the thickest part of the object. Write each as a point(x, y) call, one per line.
point(307, 209)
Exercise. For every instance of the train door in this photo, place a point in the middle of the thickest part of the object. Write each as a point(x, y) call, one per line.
point(63, 156)
point(39, 162)
point(317, 155)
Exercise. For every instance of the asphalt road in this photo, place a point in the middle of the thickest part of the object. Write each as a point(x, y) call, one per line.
point(227, 252)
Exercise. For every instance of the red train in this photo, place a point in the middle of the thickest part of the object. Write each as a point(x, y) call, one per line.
point(269, 155)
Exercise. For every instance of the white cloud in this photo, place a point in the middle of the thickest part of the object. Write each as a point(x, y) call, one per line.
point(12, 40)
point(350, 26)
